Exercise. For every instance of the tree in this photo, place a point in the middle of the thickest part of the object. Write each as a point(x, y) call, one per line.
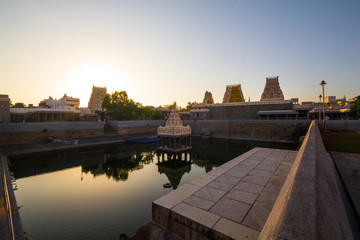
point(355, 107)
point(147, 112)
point(189, 106)
point(19, 105)
point(172, 106)
point(120, 107)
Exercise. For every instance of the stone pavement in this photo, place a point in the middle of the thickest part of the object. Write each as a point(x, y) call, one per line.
point(230, 202)
point(349, 169)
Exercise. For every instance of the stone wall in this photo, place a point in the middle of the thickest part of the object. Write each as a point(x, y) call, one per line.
point(309, 205)
point(340, 125)
point(137, 127)
point(256, 130)
point(245, 110)
point(28, 132)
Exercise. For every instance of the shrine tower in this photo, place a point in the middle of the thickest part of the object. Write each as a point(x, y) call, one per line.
point(272, 91)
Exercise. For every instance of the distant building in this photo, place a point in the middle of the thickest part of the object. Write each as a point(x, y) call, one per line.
point(330, 99)
point(208, 99)
point(4, 108)
point(44, 115)
point(65, 102)
point(233, 93)
point(96, 98)
point(272, 91)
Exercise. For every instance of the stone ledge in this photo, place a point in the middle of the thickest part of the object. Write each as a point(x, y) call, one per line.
point(309, 205)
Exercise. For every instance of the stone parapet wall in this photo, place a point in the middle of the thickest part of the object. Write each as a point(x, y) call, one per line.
point(340, 125)
point(137, 127)
point(309, 205)
point(50, 126)
point(27, 132)
point(258, 130)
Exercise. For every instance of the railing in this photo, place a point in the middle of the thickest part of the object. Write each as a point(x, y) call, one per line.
point(7, 200)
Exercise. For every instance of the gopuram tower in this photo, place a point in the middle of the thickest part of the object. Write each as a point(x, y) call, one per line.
point(208, 99)
point(233, 93)
point(272, 91)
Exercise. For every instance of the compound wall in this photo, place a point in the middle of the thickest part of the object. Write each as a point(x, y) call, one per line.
point(28, 132)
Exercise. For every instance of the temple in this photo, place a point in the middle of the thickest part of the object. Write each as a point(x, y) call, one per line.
point(174, 137)
point(233, 93)
point(208, 99)
point(96, 98)
point(272, 91)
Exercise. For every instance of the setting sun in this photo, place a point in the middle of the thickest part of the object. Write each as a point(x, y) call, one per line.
point(84, 77)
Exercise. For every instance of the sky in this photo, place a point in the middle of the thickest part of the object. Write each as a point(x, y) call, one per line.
point(166, 51)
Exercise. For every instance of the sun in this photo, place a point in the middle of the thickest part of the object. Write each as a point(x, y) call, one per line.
point(82, 78)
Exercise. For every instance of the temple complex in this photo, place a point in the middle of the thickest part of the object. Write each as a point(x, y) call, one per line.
point(272, 91)
point(96, 98)
point(174, 137)
point(208, 99)
point(233, 93)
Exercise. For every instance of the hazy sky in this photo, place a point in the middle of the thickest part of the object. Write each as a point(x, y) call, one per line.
point(165, 51)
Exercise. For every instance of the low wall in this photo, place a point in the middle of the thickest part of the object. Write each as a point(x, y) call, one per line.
point(256, 130)
point(309, 205)
point(137, 127)
point(340, 125)
point(28, 132)
point(10, 222)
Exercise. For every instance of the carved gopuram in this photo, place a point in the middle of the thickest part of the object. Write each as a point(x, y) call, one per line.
point(233, 93)
point(208, 99)
point(174, 137)
point(272, 91)
point(96, 98)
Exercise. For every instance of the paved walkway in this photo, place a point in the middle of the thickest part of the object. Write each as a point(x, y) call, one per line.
point(349, 169)
point(233, 200)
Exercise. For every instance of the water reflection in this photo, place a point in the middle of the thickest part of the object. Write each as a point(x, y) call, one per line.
point(119, 169)
point(174, 166)
point(97, 194)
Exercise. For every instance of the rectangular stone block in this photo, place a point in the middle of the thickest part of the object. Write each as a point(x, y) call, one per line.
point(233, 230)
point(175, 197)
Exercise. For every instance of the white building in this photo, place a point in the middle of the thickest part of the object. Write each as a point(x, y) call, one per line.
point(65, 102)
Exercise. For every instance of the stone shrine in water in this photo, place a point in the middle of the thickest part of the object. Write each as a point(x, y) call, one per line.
point(174, 137)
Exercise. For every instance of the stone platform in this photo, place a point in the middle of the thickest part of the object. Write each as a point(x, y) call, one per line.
point(230, 202)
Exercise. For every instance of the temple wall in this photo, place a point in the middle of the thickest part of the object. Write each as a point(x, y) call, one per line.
point(245, 111)
point(137, 127)
point(27, 132)
point(256, 130)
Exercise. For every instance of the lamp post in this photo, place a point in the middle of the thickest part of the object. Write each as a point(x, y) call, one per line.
point(319, 108)
point(323, 83)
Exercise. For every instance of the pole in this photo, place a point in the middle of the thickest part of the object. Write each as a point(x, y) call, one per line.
point(319, 107)
point(323, 102)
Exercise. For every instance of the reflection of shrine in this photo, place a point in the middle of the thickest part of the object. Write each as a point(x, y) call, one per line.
point(174, 166)
point(174, 137)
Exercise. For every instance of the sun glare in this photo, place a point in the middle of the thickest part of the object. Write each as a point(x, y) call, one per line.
point(83, 78)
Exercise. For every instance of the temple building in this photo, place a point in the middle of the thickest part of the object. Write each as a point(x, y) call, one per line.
point(272, 91)
point(208, 99)
point(233, 93)
point(66, 102)
point(96, 98)
point(174, 137)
